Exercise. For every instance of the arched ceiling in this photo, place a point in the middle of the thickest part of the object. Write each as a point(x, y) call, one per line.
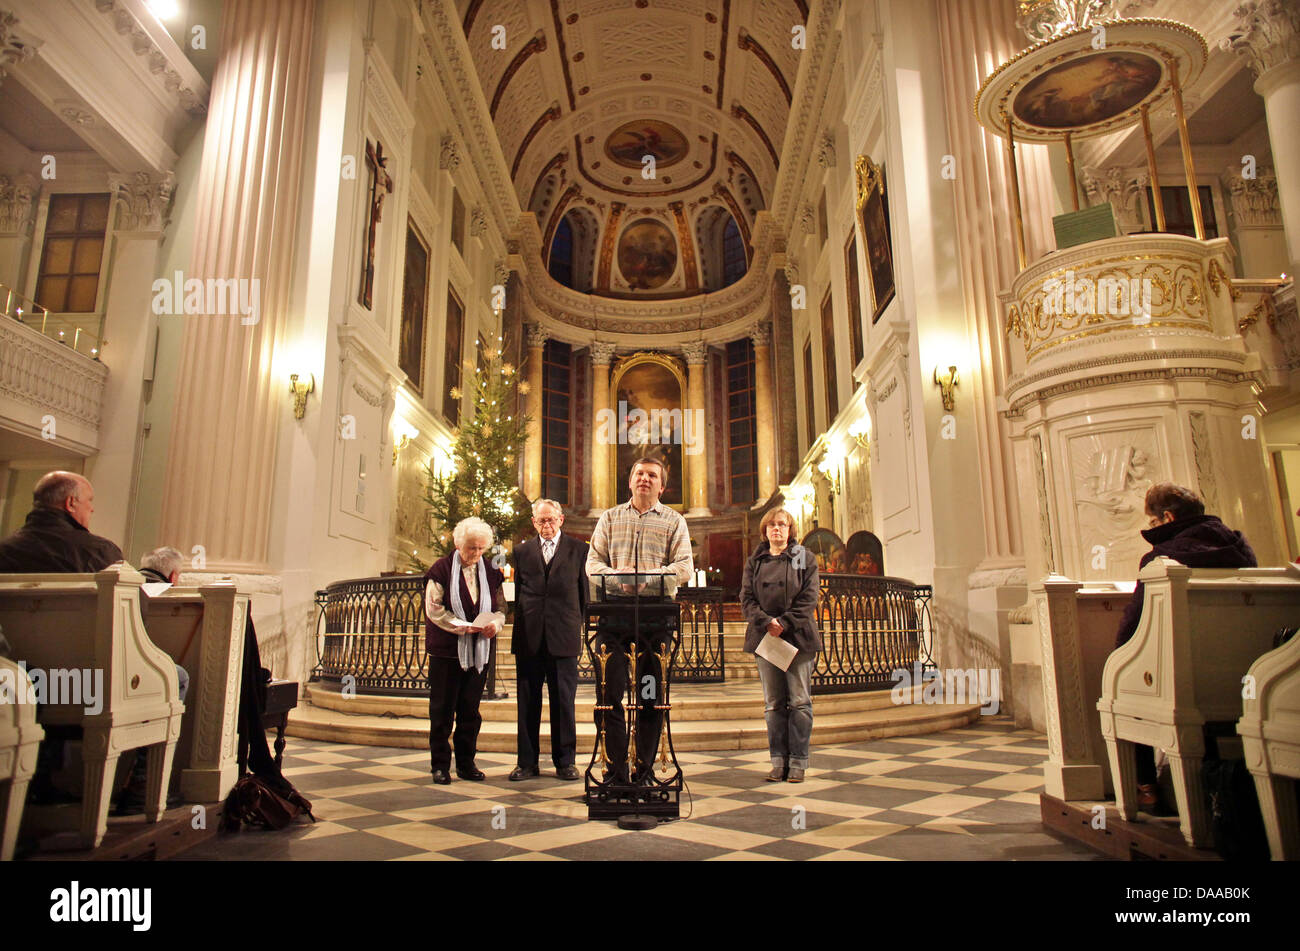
point(581, 90)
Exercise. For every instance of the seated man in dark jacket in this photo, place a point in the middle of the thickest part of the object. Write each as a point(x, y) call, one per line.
point(56, 536)
point(1180, 530)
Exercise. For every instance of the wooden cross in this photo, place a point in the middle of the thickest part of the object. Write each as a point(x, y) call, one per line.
point(380, 183)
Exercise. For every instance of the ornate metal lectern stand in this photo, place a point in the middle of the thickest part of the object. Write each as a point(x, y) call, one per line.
point(633, 631)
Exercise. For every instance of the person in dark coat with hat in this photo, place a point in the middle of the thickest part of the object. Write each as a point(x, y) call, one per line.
point(779, 595)
point(1178, 529)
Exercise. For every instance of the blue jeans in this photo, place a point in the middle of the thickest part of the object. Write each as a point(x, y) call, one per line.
point(787, 706)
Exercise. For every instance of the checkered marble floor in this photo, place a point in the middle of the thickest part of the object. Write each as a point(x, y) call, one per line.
point(966, 794)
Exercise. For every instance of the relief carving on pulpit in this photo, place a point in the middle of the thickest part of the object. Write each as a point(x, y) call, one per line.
point(1111, 475)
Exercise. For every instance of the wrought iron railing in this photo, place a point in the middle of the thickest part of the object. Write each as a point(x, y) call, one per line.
point(870, 627)
point(374, 635)
point(700, 658)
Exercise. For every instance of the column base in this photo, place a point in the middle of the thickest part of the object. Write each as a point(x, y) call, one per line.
point(704, 512)
point(212, 784)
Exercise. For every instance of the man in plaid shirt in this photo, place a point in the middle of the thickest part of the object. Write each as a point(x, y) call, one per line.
point(648, 537)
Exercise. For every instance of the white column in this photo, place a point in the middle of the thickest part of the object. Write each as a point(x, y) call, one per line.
point(230, 405)
point(1268, 36)
point(696, 491)
point(601, 448)
point(764, 412)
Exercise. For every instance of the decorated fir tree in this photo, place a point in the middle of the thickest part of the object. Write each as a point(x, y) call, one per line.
point(486, 448)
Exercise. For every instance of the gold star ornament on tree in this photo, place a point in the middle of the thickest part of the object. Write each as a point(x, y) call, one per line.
point(525, 387)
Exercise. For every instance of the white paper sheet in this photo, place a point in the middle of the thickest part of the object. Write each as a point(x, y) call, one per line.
point(777, 651)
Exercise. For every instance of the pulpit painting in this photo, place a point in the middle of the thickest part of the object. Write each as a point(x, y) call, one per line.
point(647, 254)
point(873, 217)
point(1085, 91)
point(866, 556)
point(631, 142)
point(827, 548)
point(415, 283)
point(648, 406)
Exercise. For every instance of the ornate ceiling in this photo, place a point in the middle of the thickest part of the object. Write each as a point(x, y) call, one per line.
point(582, 92)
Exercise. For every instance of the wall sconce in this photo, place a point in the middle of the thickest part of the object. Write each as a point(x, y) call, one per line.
point(861, 432)
point(830, 469)
point(946, 381)
point(300, 389)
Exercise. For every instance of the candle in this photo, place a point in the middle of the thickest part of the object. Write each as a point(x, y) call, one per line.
point(700, 581)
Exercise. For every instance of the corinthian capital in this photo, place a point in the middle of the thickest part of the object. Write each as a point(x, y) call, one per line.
point(1267, 33)
point(1254, 200)
point(537, 335)
point(602, 353)
point(761, 335)
point(143, 201)
point(449, 154)
point(17, 204)
point(695, 351)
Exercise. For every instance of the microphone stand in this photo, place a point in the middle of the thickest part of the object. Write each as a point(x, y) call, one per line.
point(637, 821)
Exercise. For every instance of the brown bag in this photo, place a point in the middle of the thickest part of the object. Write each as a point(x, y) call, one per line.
point(256, 802)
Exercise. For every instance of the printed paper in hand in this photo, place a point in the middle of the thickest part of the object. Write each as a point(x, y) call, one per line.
point(777, 651)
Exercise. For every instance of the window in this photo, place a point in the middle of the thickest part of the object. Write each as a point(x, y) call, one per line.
point(733, 254)
point(828, 359)
point(1178, 210)
point(557, 420)
point(68, 280)
point(742, 449)
point(451, 377)
point(854, 297)
point(560, 265)
point(458, 222)
point(810, 416)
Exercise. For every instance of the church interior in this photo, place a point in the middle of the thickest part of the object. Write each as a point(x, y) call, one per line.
point(952, 282)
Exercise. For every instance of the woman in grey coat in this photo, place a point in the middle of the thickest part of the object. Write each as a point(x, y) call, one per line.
point(779, 596)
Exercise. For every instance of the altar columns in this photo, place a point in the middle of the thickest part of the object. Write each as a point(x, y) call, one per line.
point(763, 412)
point(1268, 37)
point(697, 466)
point(533, 408)
point(601, 497)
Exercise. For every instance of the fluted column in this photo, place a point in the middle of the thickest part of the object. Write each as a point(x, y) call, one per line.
point(1268, 37)
point(763, 410)
point(697, 463)
point(533, 407)
point(602, 354)
point(229, 407)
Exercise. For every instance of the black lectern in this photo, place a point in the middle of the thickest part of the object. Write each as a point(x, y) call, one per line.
point(633, 627)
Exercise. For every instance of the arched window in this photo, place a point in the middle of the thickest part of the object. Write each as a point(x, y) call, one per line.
point(561, 260)
point(733, 254)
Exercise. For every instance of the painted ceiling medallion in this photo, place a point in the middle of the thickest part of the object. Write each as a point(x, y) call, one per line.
point(647, 254)
point(631, 142)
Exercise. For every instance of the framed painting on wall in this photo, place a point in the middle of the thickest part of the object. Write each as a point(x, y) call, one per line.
point(415, 287)
point(873, 217)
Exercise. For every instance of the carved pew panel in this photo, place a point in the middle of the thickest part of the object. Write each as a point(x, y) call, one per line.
point(20, 737)
point(1200, 632)
point(1270, 736)
point(93, 622)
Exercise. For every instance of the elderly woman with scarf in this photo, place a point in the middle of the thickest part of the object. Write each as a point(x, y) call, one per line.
point(779, 596)
point(460, 588)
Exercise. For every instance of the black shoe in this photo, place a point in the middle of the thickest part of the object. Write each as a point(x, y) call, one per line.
point(569, 772)
point(472, 773)
point(442, 777)
point(520, 773)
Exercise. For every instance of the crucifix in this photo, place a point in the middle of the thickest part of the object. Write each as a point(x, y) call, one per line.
point(380, 182)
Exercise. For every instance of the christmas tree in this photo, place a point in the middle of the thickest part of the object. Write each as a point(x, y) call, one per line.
point(483, 482)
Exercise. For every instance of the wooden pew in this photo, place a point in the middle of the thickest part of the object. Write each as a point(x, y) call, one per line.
point(1077, 625)
point(1200, 632)
point(93, 623)
point(20, 737)
point(202, 629)
point(1270, 734)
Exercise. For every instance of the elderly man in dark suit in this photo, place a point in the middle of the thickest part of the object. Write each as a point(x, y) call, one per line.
point(550, 611)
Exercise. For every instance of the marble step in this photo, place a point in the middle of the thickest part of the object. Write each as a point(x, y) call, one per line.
point(310, 721)
point(690, 702)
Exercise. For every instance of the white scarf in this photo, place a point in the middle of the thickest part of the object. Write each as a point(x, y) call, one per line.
point(471, 649)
